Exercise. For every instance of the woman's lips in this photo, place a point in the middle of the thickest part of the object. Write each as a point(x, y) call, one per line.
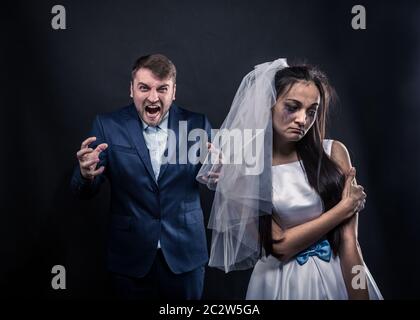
point(297, 130)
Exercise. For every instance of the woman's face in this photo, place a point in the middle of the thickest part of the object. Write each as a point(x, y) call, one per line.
point(295, 111)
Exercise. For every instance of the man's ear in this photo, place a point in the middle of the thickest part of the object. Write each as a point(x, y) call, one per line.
point(131, 89)
point(173, 96)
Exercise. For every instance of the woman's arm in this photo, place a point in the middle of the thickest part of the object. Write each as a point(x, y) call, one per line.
point(349, 250)
point(350, 256)
point(289, 242)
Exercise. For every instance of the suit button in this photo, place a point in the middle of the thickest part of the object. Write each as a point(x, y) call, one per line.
point(155, 190)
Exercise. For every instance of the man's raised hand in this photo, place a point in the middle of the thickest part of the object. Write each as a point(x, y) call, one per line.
point(89, 158)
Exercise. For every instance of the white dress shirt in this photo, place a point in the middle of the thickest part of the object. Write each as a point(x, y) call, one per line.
point(156, 139)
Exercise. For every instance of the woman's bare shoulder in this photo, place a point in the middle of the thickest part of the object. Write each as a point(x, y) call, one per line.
point(340, 155)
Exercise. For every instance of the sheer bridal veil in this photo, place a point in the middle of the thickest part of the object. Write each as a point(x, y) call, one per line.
point(243, 157)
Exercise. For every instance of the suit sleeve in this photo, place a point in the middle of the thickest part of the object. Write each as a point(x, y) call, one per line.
point(207, 127)
point(84, 188)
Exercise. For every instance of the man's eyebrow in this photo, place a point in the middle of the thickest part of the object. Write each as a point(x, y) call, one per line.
point(163, 86)
point(142, 84)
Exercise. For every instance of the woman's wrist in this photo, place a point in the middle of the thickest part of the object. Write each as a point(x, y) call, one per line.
point(348, 236)
point(345, 209)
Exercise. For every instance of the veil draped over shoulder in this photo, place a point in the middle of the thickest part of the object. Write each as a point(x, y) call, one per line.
point(242, 153)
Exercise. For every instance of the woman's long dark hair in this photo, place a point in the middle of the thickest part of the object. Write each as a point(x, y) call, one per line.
point(323, 173)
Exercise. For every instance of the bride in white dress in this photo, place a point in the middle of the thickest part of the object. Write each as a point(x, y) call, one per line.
point(296, 203)
point(304, 243)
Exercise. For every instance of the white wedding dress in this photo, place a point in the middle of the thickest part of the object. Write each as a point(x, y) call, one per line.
point(294, 203)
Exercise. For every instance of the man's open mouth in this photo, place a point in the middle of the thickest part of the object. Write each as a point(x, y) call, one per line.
point(152, 109)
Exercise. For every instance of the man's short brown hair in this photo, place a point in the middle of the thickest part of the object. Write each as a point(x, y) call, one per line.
point(159, 64)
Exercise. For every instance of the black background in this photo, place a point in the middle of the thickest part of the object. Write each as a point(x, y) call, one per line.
point(55, 81)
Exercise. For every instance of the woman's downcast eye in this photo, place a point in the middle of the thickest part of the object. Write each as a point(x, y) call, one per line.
point(291, 108)
point(312, 113)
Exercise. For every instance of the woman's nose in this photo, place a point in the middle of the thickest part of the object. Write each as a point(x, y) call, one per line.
point(301, 118)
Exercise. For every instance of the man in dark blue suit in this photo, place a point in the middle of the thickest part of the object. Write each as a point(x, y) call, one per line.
point(157, 245)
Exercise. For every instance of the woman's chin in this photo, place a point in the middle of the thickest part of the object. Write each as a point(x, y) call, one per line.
point(290, 136)
point(295, 137)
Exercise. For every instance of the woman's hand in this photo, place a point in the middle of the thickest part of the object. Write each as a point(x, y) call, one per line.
point(349, 228)
point(353, 197)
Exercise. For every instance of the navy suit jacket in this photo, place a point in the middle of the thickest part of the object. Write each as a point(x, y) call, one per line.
point(144, 210)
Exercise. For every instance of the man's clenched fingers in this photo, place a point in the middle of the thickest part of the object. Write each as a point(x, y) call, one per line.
point(101, 147)
point(82, 152)
point(87, 142)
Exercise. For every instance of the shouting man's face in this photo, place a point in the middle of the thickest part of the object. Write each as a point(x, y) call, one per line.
point(152, 96)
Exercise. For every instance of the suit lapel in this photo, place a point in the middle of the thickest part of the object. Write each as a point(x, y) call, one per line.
point(171, 151)
point(135, 129)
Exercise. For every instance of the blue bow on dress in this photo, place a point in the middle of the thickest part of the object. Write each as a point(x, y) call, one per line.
point(320, 249)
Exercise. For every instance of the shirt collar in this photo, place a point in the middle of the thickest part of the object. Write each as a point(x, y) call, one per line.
point(162, 125)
